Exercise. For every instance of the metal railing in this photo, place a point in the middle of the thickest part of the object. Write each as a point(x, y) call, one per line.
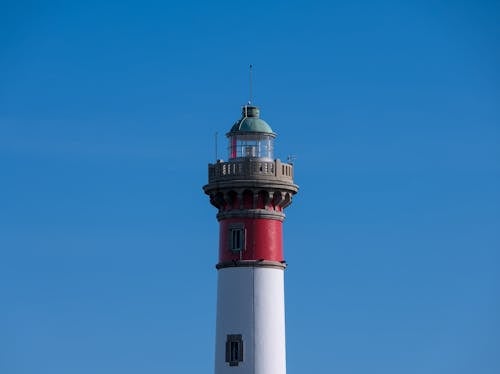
point(249, 169)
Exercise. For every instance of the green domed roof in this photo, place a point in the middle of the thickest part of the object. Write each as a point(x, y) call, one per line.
point(250, 122)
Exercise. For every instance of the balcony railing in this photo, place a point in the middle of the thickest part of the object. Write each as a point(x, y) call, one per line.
point(250, 169)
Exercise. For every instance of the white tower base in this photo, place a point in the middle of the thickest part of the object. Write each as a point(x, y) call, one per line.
point(250, 332)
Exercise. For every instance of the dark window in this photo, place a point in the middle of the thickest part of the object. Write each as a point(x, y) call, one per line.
point(236, 239)
point(234, 349)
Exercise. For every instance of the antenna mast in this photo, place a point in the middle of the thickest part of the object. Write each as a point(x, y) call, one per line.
point(250, 98)
point(216, 153)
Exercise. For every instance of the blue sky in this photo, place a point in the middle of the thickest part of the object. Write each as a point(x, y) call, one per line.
point(107, 118)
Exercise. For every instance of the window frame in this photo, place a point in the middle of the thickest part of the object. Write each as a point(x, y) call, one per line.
point(234, 349)
point(237, 238)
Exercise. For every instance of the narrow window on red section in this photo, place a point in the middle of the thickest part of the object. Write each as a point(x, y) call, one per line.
point(237, 238)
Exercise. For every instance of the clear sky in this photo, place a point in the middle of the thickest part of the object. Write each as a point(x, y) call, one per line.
point(107, 118)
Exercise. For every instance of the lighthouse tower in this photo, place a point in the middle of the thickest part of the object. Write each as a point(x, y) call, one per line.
point(250, 191)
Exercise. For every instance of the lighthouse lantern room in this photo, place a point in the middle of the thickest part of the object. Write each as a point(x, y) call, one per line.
point(251, 136)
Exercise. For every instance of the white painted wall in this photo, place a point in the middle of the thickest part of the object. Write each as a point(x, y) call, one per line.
point(250, 302)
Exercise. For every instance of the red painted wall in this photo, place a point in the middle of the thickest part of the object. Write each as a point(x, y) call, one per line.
point(264, 240)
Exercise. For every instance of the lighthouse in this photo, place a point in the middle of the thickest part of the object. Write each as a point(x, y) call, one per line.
point(251, 191)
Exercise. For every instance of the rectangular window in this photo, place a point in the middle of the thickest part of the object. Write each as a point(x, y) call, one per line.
point(237, 239)
point(234, 349)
